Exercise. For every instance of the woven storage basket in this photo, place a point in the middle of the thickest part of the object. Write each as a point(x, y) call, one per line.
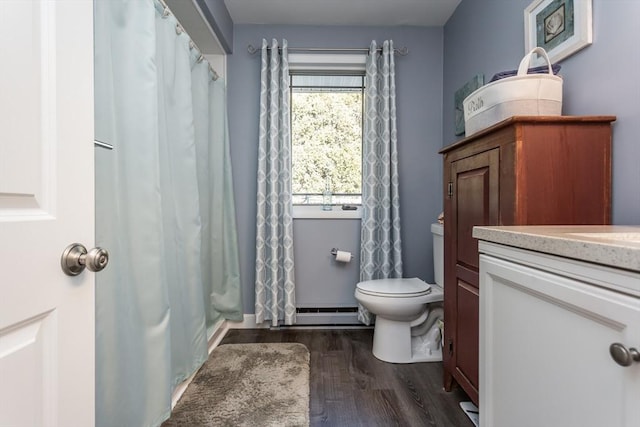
point(521, 95)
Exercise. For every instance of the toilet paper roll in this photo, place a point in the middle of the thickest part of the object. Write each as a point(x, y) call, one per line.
point(343, 256)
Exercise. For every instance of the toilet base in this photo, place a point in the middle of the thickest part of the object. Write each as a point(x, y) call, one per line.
point(392, 342)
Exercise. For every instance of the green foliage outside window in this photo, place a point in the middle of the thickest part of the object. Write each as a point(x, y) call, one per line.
point(327, 141)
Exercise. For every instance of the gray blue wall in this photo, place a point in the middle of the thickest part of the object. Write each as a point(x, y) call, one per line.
point(218, 17)
point(483, 36)
point(419, 109)
point(487, 36)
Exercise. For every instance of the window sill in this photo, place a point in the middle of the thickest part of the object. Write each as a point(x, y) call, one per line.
point(316, 212)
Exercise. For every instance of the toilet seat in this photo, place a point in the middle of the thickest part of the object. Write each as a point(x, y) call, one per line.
point(395, 288)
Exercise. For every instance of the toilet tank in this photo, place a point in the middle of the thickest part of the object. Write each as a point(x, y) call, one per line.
point(438, 253)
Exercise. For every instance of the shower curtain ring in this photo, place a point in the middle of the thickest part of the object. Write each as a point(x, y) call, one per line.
point(165, 12)
point(179, 29)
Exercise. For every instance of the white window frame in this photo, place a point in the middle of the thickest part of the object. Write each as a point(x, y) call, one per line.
point(326, 62)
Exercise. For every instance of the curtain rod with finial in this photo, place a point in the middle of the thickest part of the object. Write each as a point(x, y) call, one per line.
point(400, 51)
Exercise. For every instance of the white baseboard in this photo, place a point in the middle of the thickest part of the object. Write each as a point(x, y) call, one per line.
point(219, 331)
point(248, 322)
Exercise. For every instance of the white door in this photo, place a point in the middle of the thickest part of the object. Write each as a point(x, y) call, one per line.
point(46, 202)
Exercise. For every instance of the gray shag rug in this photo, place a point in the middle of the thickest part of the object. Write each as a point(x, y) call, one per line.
point(248, 385)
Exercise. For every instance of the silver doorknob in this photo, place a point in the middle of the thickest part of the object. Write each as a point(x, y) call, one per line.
point(622, 356)
point(75, 259)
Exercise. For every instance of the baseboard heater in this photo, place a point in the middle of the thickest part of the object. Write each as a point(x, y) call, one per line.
point(327, 316)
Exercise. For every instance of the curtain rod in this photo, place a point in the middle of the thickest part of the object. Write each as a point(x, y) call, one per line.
point(166, 11)
point(400, 51)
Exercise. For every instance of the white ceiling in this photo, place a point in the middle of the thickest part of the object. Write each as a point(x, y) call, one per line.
point(342, 12)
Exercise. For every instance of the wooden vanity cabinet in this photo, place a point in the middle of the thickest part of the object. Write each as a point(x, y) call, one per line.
point(522, 171)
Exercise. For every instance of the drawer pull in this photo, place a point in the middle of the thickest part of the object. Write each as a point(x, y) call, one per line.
point(622, 356)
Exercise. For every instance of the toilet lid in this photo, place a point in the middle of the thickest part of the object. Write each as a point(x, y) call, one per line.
point(399, 287)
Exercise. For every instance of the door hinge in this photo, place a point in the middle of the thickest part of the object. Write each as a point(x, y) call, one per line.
point(450, 189)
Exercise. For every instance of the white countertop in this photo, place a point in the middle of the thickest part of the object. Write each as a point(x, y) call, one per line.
point(612, 245)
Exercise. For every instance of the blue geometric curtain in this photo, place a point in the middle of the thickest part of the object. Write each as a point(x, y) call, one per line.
point(380, 244)
point(275, 284)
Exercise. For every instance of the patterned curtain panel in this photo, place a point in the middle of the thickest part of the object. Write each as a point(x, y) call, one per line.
point(275, 299)
point(380, 244)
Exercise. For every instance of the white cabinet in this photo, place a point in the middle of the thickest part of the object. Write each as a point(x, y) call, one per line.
point(546, 325)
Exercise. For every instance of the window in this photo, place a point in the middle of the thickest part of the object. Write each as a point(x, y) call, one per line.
point(326, 137)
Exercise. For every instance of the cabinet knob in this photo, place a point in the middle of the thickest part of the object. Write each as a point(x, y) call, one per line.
point(622, 356)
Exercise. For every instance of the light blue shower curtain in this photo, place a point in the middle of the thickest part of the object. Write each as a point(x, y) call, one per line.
point(154, 300)
point(380, 243)
point(219, 249)
point(179, 201)
point(275, 283)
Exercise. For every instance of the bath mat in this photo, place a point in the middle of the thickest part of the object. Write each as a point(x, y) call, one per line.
point(248, 385)
point(472, 412)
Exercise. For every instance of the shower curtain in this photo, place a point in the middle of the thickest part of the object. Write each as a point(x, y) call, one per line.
point(164, 210)
point(219, 250)
point(380, 243)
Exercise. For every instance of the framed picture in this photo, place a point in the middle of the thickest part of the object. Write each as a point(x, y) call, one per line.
point(476, 82)
point(561, 27)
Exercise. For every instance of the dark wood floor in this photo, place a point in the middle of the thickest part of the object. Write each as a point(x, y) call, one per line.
point(350, 387)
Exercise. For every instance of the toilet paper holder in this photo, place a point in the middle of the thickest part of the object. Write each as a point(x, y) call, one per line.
point(334, 252)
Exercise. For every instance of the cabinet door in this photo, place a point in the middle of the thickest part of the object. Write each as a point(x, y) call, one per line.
point(544, 350)
point(475, 201)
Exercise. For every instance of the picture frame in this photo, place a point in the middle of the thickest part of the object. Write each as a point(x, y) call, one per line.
point(561, 27)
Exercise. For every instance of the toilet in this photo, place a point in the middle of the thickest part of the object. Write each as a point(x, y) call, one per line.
point(407, 328)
